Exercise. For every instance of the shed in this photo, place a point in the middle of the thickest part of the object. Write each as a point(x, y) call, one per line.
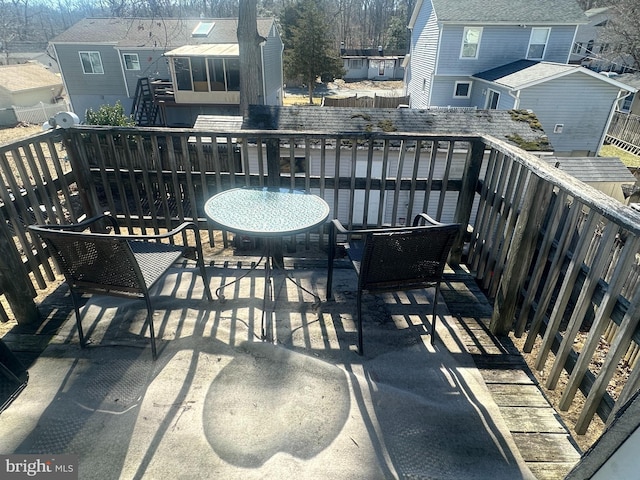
point(28, 84)
point(607, 174)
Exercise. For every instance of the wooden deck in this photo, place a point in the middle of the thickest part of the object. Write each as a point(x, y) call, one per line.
point(544, 441)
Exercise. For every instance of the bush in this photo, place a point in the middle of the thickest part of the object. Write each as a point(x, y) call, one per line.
point(109, 115)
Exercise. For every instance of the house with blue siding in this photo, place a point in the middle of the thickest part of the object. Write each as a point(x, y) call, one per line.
point(165, 71)
point(510, 54)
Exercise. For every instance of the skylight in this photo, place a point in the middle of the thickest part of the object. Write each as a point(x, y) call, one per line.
point(203, 29)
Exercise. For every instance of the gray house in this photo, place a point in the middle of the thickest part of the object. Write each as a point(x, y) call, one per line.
point(165, 71)
point(372, 64)
point(450, 41)
point(510, 54)
point(556, 93)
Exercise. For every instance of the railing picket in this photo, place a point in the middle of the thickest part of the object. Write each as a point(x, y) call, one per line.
point(564, 293)
point(582, 304)
point(616, 350)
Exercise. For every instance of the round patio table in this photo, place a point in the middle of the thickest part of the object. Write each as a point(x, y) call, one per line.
point(270, 214)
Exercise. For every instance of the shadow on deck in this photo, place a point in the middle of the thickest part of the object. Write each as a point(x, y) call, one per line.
point(218, 400)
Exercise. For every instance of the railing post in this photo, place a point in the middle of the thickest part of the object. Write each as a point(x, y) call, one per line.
point(15, 283)
point(81, 172)
point(521, 251)
point(273, 181)
point(472, 167)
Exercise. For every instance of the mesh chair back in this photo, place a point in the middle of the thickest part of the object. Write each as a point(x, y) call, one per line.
point(405, 259)
point(94, 261)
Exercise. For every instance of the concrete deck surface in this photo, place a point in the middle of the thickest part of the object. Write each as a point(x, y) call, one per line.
point(221, 403)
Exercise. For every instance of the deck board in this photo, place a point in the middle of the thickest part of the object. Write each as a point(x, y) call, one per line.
point(543, 439)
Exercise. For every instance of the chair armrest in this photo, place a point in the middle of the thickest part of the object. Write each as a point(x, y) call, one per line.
point(160, 236)
point(424, 219)
point(85, 224)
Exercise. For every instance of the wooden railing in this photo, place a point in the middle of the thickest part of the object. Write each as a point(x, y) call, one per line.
point(624, 132)
point(554, 255)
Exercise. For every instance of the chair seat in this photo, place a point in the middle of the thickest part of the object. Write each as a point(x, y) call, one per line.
point(155, 258)
point(355, 251)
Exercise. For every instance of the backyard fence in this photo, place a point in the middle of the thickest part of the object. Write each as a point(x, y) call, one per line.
point(40, 113)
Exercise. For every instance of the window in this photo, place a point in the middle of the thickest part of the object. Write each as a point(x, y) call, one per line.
point(355, 63)
point(462, 90)
point(590, 46)
point(91, 62)
point(183, 73)
point(493, 98)
point(470, 42)
point(203, 29)
point(577, 47)
point(538, 43)
point(131, 61)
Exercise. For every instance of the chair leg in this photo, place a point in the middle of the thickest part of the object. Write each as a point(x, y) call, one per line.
point(152, 332)
point(434, 314)
point(205, 279)
point(359, 323)
point(76, 308)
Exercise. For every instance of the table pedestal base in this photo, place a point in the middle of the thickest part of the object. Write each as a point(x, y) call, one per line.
point(269, 290)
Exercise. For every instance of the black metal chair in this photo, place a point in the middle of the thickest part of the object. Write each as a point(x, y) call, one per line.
point(115, 264)
point(395, 259)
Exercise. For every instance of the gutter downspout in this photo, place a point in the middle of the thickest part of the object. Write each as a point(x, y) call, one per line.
point(516, 96)
point(264, 77)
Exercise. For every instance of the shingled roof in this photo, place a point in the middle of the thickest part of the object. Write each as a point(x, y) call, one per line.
point(154, 33)
point(520, 130)
point(526, 12)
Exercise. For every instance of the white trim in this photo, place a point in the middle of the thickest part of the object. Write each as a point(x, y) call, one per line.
point(546, 42)
point(455, 88)
point(464, 35)
point(124, 62)
point(80, 52)
point(486, 101)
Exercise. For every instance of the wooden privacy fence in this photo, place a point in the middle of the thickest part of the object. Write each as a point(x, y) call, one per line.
point(365, 101)
point(555, 256)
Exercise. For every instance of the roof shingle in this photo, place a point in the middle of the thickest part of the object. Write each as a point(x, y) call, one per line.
point(547, 12)
point(342, 121)
point(153, 33)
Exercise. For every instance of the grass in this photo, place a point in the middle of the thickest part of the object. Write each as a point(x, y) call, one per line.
point(290, 99)
point(629, 159)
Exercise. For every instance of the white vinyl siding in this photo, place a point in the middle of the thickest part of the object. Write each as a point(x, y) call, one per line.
point(470, 42)
point(424, 48)
point(91, 63)
point(561, 101)
point(538, 43)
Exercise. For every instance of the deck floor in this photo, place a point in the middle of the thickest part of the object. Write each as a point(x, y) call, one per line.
point(544, 441)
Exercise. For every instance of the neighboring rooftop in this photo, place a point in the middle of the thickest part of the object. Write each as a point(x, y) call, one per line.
point(594, 169)
point(547, 12)
point(27, 76)
point(501, 124)
point(524, 73)
point(155, 33)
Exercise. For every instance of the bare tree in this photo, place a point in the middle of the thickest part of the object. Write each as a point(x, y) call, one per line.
point(250, 66)
point(621, 37)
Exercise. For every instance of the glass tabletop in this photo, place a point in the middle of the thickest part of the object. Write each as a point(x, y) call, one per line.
point(266, 212)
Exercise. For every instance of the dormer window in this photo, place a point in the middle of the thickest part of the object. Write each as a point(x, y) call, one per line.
point(203, 29)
